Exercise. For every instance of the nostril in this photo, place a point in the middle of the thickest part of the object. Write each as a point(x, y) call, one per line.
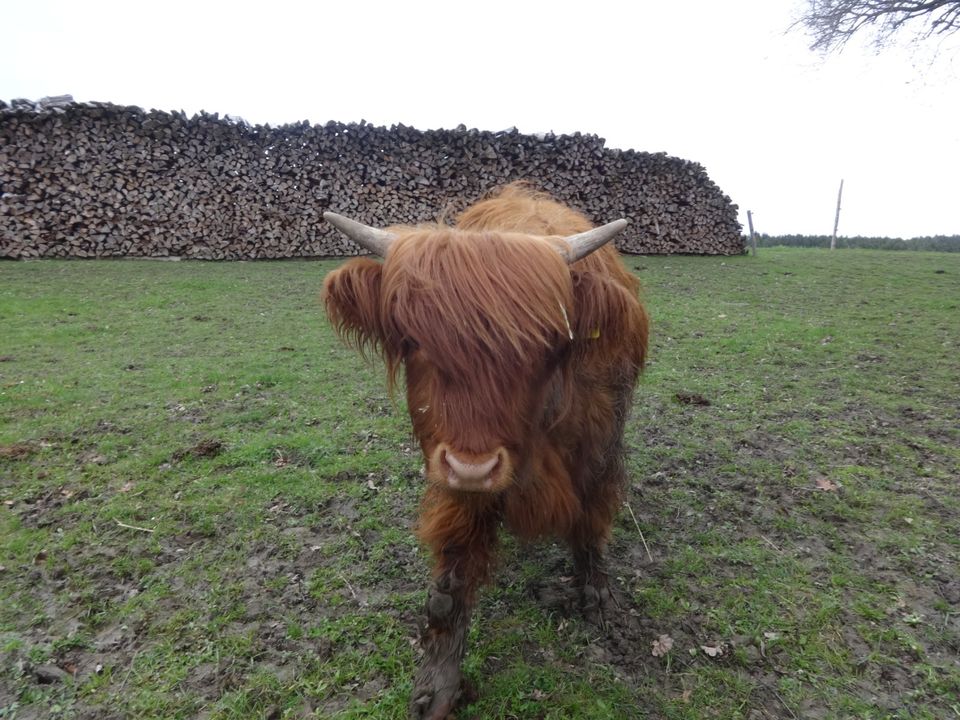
point(470, 471)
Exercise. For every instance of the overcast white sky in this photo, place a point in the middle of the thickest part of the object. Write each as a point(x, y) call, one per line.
point(720, 83)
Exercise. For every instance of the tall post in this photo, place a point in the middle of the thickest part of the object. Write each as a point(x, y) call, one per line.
point(836, 219)
point(753, 236)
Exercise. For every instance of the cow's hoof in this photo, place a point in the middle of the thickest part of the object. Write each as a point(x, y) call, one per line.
point(595, 603)
point(435, 693)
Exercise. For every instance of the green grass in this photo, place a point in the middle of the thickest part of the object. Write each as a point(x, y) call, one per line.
point(209, 512)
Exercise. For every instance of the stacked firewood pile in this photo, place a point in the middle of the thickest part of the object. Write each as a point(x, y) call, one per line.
point(100, 180)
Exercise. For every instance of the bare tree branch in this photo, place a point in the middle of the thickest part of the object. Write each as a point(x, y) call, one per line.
point(832, 23)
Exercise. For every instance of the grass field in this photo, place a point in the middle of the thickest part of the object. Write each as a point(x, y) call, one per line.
point(206, 503)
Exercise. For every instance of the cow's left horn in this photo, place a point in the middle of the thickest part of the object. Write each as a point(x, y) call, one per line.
point(373, 239)
point(582, 244)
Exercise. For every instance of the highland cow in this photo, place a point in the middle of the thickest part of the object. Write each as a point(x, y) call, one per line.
point(521, 336)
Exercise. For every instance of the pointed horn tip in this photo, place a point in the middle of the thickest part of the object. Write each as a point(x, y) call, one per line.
point(345, 225)
point(370, 238)
point(614, 227)
point(582, 244)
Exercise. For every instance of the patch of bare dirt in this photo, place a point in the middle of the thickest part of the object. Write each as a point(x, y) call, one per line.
point(206, 448)
point(17, 451)
point(41, 510)
point(691, 398)
point(186, 413)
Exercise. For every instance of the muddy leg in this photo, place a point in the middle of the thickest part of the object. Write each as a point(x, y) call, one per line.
point(436, 686)
point(592, 582)
point(462, 535)
point(590, 535)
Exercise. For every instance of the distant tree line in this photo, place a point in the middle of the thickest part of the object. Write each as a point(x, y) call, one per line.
point(940, 243)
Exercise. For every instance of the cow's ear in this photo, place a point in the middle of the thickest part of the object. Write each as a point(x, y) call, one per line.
point(608, 314)
point(351, 295)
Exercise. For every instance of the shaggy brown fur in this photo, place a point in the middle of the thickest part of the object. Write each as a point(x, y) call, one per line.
point(507, 350)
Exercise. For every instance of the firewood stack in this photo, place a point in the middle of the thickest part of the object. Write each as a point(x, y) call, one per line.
point(101, 180)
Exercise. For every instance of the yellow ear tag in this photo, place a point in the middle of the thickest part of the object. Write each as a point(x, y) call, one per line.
point(595, 333)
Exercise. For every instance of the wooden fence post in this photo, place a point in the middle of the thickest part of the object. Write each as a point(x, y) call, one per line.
point(753, 235)
point(836, 219)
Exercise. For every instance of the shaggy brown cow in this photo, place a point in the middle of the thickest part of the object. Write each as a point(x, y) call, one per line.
point(521, 335)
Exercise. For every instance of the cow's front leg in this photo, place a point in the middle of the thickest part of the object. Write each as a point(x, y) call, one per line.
point(593, 582)
point(437, 685)
point(590, 535)
point(588, 543)
point(462, 550)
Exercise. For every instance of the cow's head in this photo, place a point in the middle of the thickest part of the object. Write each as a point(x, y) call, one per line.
point(483, 324)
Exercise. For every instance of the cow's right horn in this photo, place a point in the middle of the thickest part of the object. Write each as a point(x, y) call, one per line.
point(373, 239)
